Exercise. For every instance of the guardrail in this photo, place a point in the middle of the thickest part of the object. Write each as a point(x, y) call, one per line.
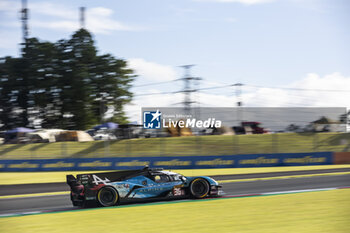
point(171, 162)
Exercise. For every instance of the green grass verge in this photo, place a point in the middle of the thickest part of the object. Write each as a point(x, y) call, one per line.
point(7, 178)
point(182, 146)
point(326, 211)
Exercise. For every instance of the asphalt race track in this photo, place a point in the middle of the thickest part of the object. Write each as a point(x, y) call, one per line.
point(10, 206)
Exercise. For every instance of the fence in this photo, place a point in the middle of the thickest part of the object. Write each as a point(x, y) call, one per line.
point(182, 146)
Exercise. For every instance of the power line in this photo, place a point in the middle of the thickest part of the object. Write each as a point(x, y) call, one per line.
point(215, 87)
point(282, 88)
point(174, 92)
point(298, 89)
point(159, 93)
point(231, 85)
point(157, 83)
point(187, 90)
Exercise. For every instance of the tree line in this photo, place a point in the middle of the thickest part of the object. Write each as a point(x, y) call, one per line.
point(65, 84)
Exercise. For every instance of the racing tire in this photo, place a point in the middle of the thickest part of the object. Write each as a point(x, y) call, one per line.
point(199, 188)
point(107, 196)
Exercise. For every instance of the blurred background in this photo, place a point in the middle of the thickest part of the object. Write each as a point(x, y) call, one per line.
point(74, 76)
point(77, 76)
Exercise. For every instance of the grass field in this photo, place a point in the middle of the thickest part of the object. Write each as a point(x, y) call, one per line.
point(324, 211)
point(182, 146)
point(7, 178)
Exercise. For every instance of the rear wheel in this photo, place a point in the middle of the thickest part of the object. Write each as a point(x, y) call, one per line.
point(199, 188)
point(107, 196)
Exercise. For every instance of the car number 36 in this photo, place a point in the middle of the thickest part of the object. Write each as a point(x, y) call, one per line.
point(177, 192)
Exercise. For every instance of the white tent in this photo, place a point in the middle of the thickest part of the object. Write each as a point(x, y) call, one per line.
point(45, 135)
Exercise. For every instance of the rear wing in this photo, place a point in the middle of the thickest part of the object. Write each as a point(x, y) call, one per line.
point(71, 181)
point(104, 177)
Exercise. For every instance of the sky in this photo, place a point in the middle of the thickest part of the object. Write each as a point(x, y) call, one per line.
point(286, 53)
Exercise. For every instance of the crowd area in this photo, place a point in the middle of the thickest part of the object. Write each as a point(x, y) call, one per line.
point(114, 131)
point(106, 131)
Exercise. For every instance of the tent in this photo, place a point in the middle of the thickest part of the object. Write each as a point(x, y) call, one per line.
point(19, 130)
point(45, 135)
point(79, 136)
point(17, 135)
point(325, 124)
point(325, 121)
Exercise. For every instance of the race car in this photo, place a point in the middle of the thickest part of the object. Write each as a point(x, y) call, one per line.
point(113, 188)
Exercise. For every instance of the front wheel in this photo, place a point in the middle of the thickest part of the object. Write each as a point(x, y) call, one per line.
point(199, 188)
point(107, 196)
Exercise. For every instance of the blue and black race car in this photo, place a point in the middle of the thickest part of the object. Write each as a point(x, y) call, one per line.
point(113, 188)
